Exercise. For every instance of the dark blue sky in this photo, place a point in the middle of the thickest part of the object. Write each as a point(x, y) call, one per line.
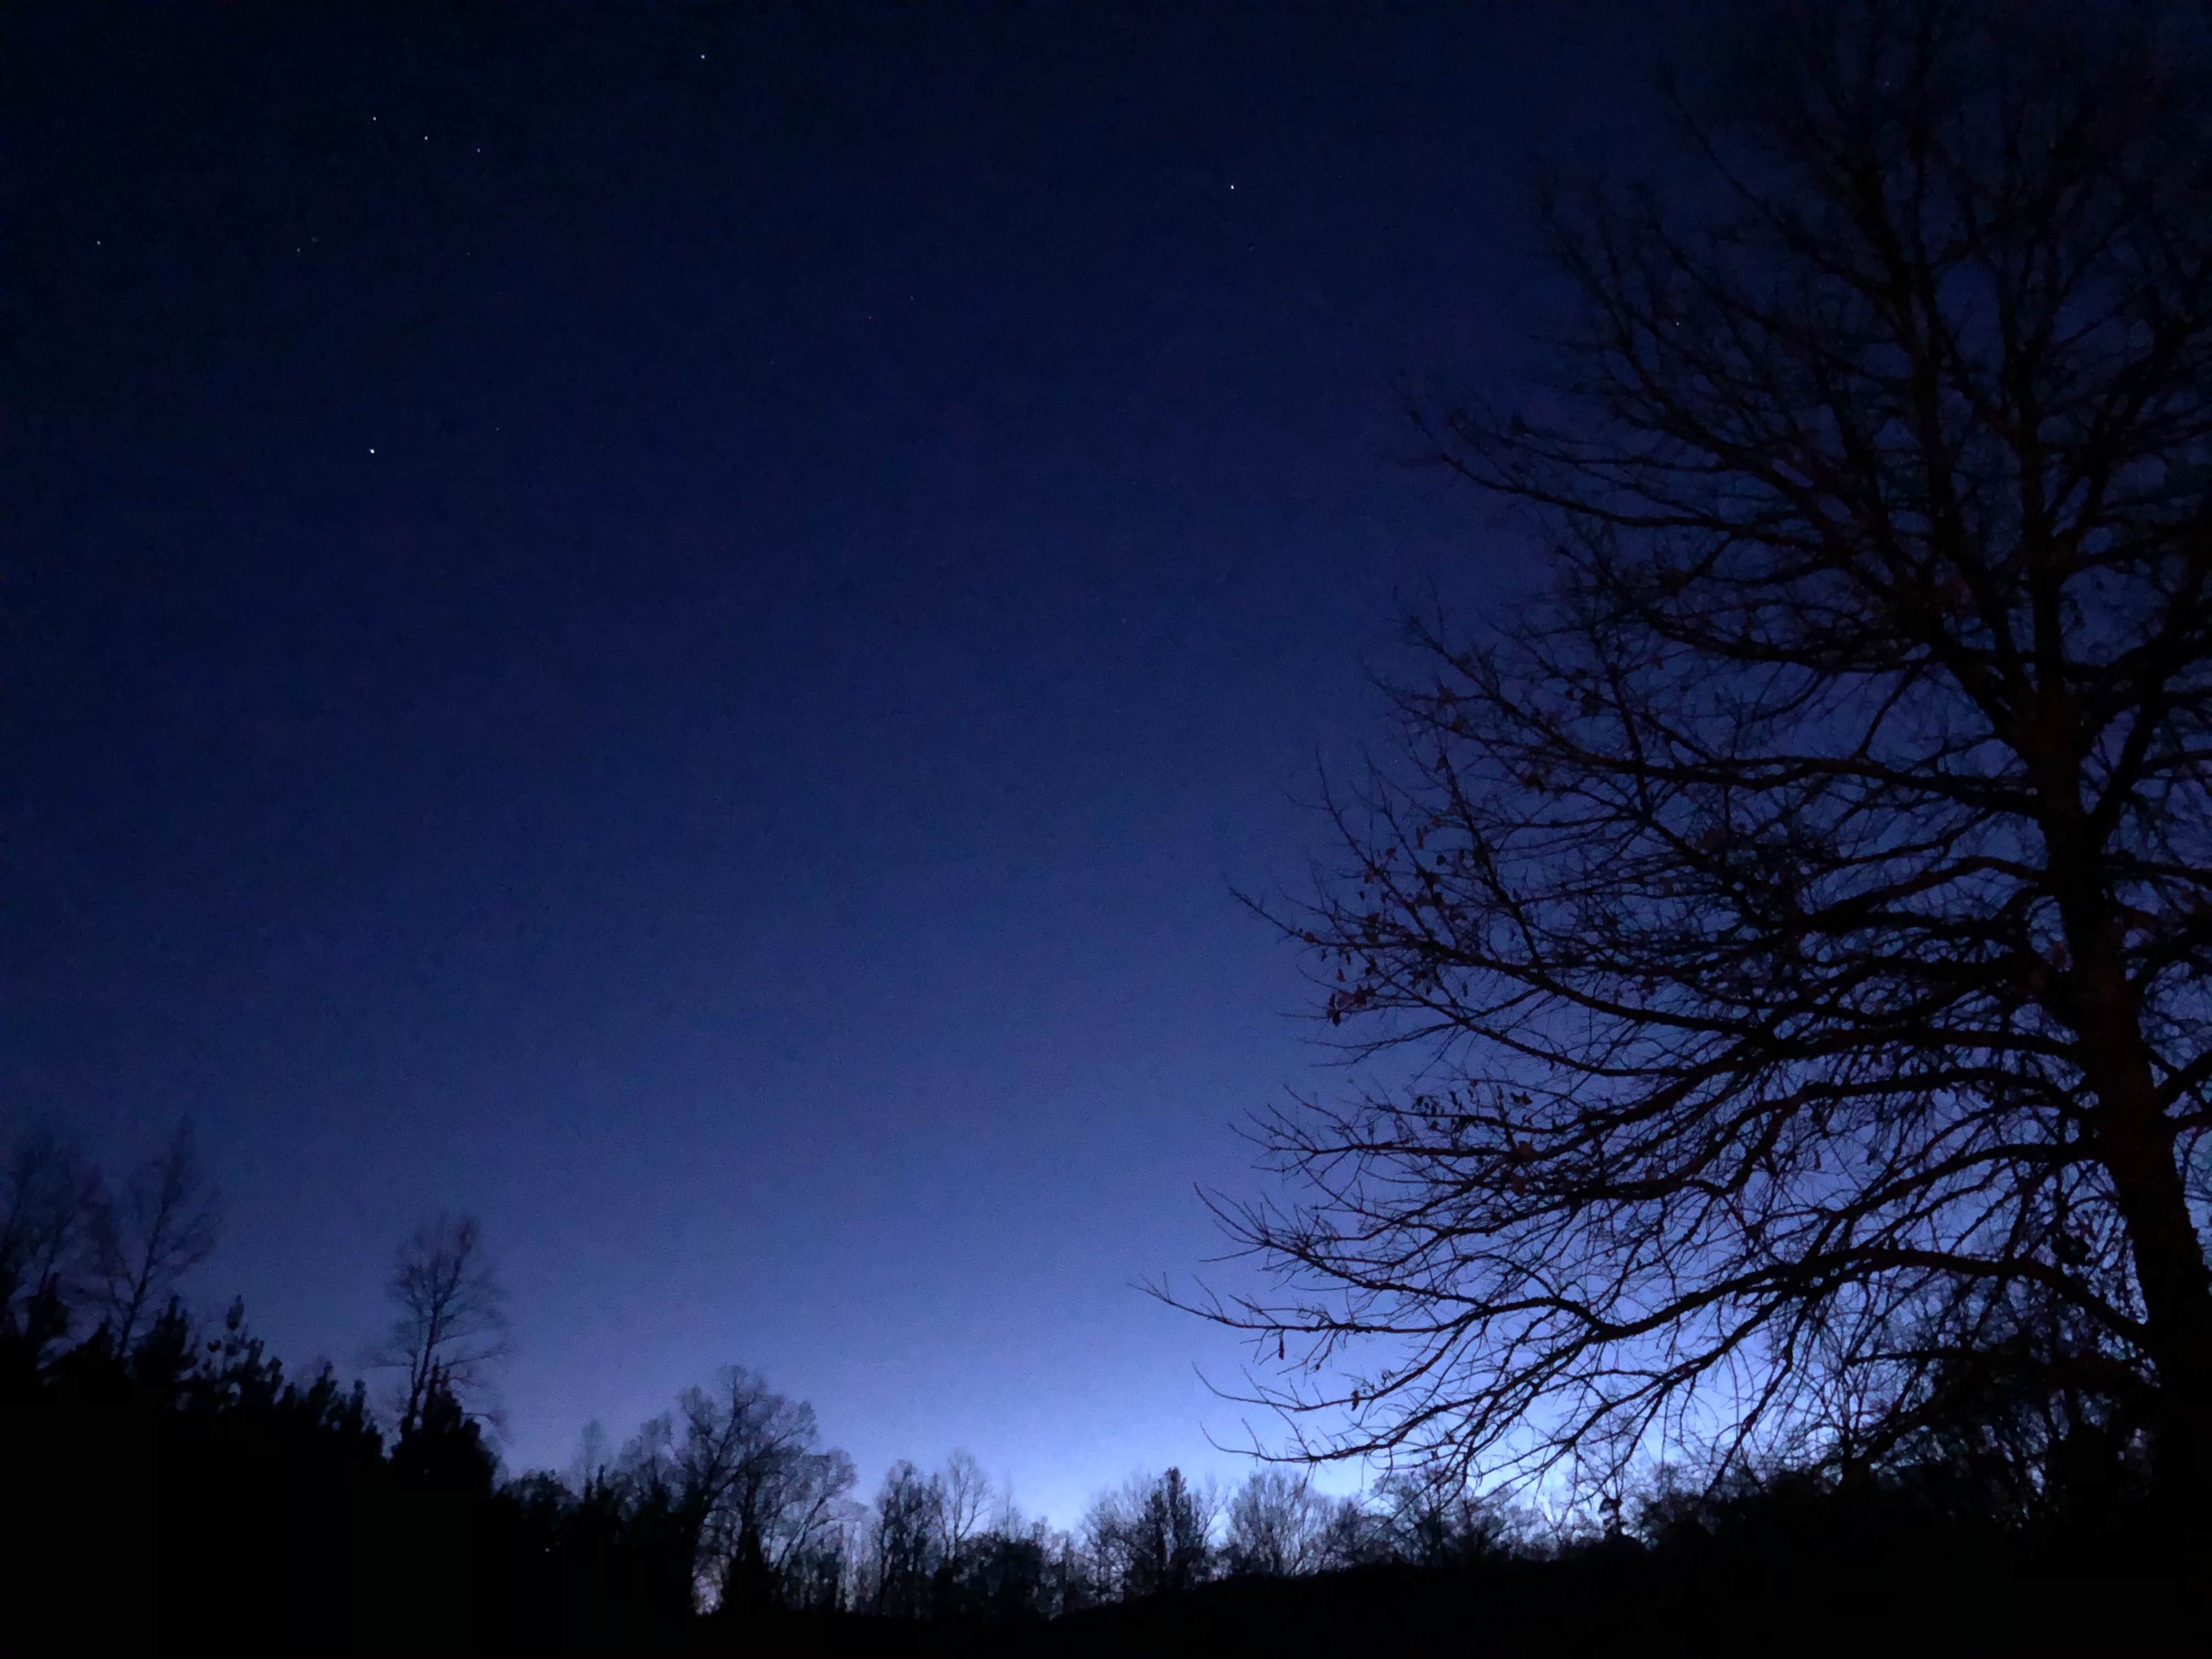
point(669, 625)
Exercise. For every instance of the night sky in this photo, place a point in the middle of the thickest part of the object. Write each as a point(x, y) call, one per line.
point(671, 626)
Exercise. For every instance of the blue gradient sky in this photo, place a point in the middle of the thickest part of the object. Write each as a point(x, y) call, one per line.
point(671, 625)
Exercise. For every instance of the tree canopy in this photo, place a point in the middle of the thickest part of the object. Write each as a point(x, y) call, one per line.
point(1776, 957)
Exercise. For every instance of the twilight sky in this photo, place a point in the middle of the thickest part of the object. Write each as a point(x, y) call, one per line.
point(671, 625)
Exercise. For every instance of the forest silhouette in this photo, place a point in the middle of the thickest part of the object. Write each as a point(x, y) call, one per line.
point(173, 1487)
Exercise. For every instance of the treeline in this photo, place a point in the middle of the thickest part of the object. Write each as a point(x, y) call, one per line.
point(176, 1488)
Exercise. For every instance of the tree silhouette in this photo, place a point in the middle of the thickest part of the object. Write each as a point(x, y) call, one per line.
point(1275, 1521)
point(963, 1496)
point(452, 1331)
point(49, 1192)
point(748, 1492)
point(1780, 949)
point(143, 1243)
point(902, 1542)
point(1154, 1534)
point(442, 1448)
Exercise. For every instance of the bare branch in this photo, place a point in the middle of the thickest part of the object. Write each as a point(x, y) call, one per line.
point(1777, 957)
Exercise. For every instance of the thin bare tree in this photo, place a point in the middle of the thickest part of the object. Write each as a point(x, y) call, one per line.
point(49, 1194)
point(163, 1227)
point(1776, 960)
point(964, 1497)
point(452, 1327)
point(903, 1547)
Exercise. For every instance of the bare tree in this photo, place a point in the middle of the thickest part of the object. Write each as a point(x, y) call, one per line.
point(1275, 1524)
point(1428, 1518)
point(1153, 1534)
point(1781, 947)
point(144, 1242)
point(49, 1192)
point(1106, 1529)
point(1351, 1536)
point(592, 1460)
point(755, 1496)
point(452, 1327)
point(964, 1498)
point(902, 1542)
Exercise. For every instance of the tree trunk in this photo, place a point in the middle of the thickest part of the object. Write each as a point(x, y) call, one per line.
point(2135, 1145)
